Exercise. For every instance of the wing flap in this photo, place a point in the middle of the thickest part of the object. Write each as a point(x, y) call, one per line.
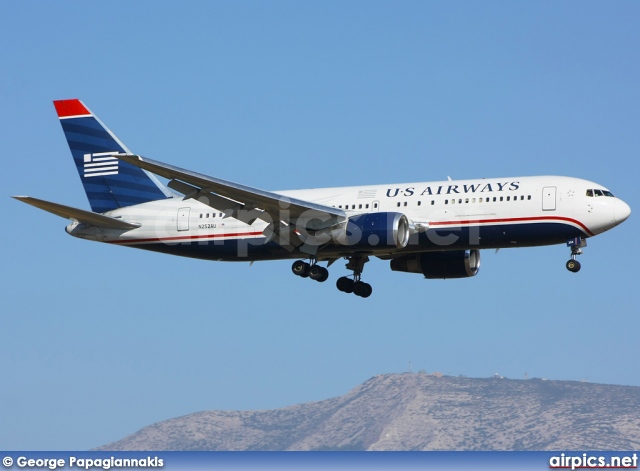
point(226, 205)
point(80, 215)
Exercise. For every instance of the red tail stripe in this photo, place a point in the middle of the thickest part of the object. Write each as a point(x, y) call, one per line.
point(66, 108)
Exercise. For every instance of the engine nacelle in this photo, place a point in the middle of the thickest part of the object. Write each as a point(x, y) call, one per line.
point(448, 264)
point(374, 231)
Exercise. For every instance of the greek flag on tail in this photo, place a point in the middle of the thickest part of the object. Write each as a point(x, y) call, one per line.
point(108, 182)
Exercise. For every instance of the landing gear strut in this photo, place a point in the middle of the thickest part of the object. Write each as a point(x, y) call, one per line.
point(576, 245)
point(355, 286)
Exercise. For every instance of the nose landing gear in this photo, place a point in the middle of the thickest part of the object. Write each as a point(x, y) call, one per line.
point(576, 245)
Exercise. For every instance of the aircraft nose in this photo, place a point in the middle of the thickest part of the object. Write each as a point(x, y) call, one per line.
point(622, 211)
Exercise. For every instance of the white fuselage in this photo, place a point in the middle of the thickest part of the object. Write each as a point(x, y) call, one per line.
point(477, 214)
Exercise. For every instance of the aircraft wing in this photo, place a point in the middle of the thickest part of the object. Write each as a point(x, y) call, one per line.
point(80, 215)
point(243, 202)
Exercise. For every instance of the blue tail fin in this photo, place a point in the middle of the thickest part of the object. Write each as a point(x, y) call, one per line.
point(109, 183)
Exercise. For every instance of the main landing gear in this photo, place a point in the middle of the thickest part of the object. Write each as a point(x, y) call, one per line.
point(345, 284)
point(576, 245)
point(355, 286)
point(313, 271)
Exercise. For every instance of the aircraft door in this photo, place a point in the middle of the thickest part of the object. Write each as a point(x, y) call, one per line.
point(549, 198)
point(183, 219)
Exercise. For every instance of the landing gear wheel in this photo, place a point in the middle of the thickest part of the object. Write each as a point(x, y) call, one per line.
point(362, 289)
point(345, 284)
point(354, 285)
point(573, 266)
point(576, 244)
point(318, 273)
point(300, 268)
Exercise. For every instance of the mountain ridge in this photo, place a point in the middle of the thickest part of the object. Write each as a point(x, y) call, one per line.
point(415, 411)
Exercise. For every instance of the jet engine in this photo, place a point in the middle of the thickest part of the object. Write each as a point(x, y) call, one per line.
point(374, 231)
point(447, 264)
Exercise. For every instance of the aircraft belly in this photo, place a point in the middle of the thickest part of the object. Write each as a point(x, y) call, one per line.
point(228, 250)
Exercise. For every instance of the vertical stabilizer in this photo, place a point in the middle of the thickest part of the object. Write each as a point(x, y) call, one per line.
point(109, 183)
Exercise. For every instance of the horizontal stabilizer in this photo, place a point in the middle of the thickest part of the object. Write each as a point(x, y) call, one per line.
point(80, 215)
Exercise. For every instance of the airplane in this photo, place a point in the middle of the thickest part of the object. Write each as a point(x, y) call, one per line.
point(436, 229)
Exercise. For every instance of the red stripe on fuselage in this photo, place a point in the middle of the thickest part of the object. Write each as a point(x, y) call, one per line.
point(431, 225)
point(182, 238)
point(508, 220)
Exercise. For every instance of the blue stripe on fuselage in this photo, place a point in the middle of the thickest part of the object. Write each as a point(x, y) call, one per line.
point(474, 237)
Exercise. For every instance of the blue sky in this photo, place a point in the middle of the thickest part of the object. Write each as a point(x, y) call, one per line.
point(99, 341)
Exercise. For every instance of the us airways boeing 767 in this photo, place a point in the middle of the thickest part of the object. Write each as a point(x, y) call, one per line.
point(436, 229)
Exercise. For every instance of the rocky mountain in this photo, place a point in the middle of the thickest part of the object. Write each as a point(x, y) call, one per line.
point(419, 412)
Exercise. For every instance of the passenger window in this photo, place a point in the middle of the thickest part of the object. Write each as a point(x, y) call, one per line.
point(479, 200)
point(529, 197)
point(405, 203)
point(432, 202)
point(460, 201)
point(473, 200)
point(446, 201)
point(502, 198)
point(419, 203)
point(398, 204)
point(453, 201)
point(367, 205)
point(375, 205)
point(359, 206)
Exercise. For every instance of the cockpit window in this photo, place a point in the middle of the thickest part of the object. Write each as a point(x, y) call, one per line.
point(599, 193)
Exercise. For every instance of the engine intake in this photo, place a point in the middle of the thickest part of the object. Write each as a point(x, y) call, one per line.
point(448, 264)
